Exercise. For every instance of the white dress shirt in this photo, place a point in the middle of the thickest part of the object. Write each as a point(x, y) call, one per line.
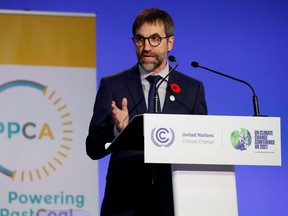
point(146, 84)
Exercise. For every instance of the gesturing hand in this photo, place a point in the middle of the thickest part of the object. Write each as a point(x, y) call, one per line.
point(120, 116)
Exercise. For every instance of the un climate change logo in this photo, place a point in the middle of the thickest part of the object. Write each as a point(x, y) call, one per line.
point(36, 130)
point(241, 139)
point(162, 137)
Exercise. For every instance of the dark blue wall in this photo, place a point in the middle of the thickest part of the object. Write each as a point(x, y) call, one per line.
point(247, 39)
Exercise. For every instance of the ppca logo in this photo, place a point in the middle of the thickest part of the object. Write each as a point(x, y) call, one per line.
point(36, 130)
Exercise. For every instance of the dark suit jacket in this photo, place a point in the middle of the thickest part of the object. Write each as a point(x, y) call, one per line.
point(190, 100)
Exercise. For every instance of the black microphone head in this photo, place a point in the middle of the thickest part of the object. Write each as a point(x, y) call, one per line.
point(195, 64)
point(172, 58)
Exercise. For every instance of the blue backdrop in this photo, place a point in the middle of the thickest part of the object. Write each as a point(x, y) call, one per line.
point(247, 39)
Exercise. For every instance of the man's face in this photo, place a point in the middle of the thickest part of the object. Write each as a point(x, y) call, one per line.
point(153, 58)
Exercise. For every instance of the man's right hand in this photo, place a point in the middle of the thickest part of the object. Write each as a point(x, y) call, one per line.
point(120, 116)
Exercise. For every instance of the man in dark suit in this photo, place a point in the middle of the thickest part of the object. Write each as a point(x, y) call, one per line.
point(133, 187)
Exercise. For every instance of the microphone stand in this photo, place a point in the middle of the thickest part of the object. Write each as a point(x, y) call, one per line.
point(156, 95)
point(254, 98)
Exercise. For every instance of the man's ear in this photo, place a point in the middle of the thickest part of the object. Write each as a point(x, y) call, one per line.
point(170, 43)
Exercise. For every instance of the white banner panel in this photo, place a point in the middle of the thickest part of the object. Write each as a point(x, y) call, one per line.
point(43, 125)
point(193, 139)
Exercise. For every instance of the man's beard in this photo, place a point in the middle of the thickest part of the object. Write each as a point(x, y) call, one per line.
point(150, 66)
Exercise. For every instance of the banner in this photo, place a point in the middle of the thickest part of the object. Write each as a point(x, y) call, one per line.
point(47, 91)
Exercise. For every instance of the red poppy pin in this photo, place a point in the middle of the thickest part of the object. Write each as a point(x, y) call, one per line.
point(175, 88)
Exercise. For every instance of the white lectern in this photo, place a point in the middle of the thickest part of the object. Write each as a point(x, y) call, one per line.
point(203, 151)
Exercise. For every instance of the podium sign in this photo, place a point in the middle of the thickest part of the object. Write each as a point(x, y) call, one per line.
point(225, 140)
point(203, 150)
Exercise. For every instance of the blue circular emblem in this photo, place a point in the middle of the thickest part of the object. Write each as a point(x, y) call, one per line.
point(162, 137)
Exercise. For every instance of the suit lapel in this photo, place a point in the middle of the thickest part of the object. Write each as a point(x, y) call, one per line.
point(134, 85)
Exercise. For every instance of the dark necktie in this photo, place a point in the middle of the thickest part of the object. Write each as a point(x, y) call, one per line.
point(153, 83)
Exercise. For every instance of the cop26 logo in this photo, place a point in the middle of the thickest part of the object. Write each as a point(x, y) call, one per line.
point(241, 139)
point(162, 137)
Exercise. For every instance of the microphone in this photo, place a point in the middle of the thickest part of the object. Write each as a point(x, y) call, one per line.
point(156, 95)
point(254, 98)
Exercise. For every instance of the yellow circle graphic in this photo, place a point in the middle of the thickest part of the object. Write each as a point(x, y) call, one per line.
point(63, 143)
